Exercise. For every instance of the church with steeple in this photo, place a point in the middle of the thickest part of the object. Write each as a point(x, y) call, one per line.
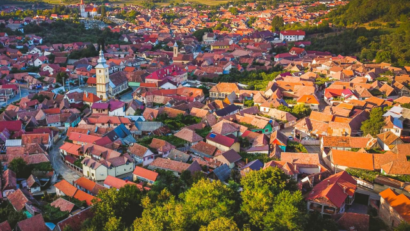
point(102, 75)
point(89, 11)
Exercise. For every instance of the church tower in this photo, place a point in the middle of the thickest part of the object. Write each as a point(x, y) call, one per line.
point(82, 9)
point(175, 49)
point(102, 75)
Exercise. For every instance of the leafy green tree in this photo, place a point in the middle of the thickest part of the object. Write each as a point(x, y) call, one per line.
point(206, 201)
point(7, 213)
point(403, 226)
point(301, 111)
point(165, 214)
point(18, 165)
point(277, 23)
point(233, 10)
point(113, 224)
point(124, 203)
point(288, 212)
point(375, 122)
point(220, 223)
point(259, 190)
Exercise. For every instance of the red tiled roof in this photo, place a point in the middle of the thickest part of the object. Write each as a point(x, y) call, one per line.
point(75, 222)
point(334, 189)
point(145, 173)
point(83, 196)
point(63, 204)
point(220, 139)
point(65, 187)
point(400, 203)
point(34, 223)
point(119, 183)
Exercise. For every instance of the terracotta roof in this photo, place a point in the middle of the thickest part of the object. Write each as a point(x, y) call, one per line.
point(34, 223)
point(137, 149)
point(333, 190)
point(161, 145)
point(204, 148)
point(83, 196)
point(65, 187)
point(188, 135)
point(5, 226)
point(343, 141)
point(171, 165)
point(89, 185)
point(300, 158)
point(400, 203)
point(220, 139)
point(360, 222)
point(70, 148)
point(388, 137)
point(119, 183)
point(145, 173)
point(63, 204)
point(75, 221)
point(18, 199)
point(352, 159)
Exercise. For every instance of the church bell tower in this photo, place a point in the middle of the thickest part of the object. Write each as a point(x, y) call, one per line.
point(102, 75)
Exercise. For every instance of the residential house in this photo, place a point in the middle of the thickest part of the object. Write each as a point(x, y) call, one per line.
point(142, 155)
point(229, 157)
point(144, 175)
point(280, 139)
point(388, 140)
point(333, 195)
point(255, 165)
point(174, 166)
point(223, 143)
point(204, 149)
point(394, 208)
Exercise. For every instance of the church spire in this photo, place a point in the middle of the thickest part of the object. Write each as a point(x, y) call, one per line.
point(101, 59)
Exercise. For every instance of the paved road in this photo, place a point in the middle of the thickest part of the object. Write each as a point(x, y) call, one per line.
point(24, 93)
point(67, 173)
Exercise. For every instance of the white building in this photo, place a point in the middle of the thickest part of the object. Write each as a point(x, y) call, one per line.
point(292, 35)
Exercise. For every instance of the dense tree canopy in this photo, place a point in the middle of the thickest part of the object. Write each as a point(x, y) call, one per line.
point(374, 124)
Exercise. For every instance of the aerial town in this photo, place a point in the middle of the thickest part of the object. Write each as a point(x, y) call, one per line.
point(185, 116)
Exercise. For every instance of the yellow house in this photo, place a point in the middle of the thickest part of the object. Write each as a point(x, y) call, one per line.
point(223, 143)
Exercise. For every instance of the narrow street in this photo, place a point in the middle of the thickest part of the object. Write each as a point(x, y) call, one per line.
point(67, 173)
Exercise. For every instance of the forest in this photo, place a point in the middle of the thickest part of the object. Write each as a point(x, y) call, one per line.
point(385, 37)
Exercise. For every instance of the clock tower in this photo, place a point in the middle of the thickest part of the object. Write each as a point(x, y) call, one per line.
point(102, 75)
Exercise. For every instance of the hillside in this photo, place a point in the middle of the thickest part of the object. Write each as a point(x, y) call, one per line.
point(362, 11)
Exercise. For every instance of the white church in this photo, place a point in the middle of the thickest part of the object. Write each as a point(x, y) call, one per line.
point(89, 11)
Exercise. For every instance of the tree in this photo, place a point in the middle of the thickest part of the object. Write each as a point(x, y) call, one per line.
point(103, 11)
point(233, 10)
point(259, 190)
point(113, 224)
point(301, 111)
point(18, 165)
point(403, 226)
point(206, 201)
point(374, 124)
point(220, 223)
point(124, 203)
point(165, 214)
point(277, 23)
point(288, 212)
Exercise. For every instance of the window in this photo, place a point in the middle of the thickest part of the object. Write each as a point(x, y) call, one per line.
point(99, 71)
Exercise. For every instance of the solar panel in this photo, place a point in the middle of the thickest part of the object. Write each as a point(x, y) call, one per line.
point(212, 135)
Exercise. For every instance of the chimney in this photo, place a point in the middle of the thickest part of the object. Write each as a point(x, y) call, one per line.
point(246, 161)
point(328, 182)
point(344, 189)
